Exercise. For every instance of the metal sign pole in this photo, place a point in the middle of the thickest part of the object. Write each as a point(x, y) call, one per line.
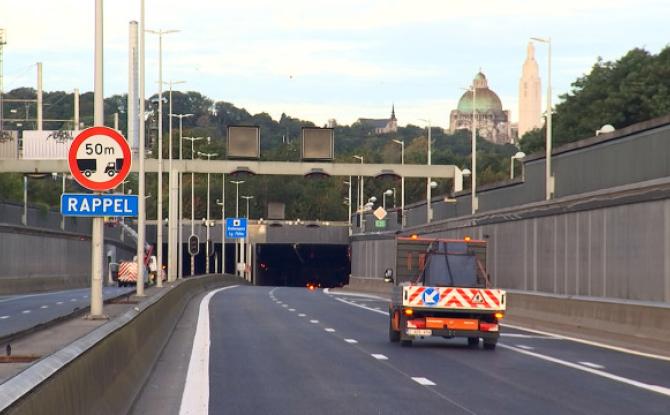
point(97, 234)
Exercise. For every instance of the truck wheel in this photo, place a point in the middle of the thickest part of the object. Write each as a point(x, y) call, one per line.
point(490, 345)
point(394, 336)
point(406, 343)
point(87, 173)
point(473, 341)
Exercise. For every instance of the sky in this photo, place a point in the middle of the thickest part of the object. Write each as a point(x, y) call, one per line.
point(322, 59)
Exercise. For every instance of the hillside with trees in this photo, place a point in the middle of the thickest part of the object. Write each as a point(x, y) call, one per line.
point(280, 140)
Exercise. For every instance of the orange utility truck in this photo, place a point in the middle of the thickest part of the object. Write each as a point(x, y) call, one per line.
point(441, 288)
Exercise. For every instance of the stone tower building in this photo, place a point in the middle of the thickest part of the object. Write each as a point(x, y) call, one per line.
point(530, 95)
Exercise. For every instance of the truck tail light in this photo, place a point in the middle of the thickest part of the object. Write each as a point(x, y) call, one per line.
point(409, 312)
point(499, 315)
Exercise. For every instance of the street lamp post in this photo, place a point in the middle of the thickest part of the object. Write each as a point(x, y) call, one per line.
point(361, 195)
point(173, 192)
point(141, 205)
point(388, 192)
point(549, 177)
point(192, 140)
point(402, 183)
point(159, 204)
point(238, 251)
point(349, 203)
point(519, 155)
point(209, 156)
point(247, 198)
point(180, 274)
point(429, 209)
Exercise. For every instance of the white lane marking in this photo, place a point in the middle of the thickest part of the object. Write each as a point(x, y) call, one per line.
point(302, 315)
point(524, 347)
point(45, 306)
point(284, 305)
point(360, 306)
point(59, 303)
point(72, 300)
point(654, 388)
point(330, 330)
point(26, 311)
point(424, 381)
point(4, 317)
point(527, 336)
point(592, 365)
point(355, 294)
point(590, 343)
point(380, 357)
point(314, 321)
point(351, 341)
point(195, 399)
point(291, 309)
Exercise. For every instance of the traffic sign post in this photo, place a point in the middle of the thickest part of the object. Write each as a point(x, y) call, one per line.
point(99, 159)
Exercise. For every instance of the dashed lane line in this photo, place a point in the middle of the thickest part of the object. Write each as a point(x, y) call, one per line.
point(302, 315)
point(4, 317)
point(314, 321)
point(379, 357)
point(424, 381)
point(351, 341)
point(26, 311)
point(45, 306)
point(291, 310)
point(329, 330)
point(589, 342)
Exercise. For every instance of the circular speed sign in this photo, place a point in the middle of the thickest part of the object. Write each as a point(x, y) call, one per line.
point(99, 158)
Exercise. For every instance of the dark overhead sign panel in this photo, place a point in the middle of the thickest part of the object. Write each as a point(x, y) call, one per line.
point(318, 144)
point(244, 142)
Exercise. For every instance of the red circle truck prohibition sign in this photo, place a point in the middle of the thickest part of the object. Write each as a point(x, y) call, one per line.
point(99, 158)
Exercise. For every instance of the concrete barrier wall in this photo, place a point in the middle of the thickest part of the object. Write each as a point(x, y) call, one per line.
point(33, 259)
point(104, 371)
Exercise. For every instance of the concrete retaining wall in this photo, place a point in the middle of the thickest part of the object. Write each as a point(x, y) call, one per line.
point(37, 259)
point(102, 372)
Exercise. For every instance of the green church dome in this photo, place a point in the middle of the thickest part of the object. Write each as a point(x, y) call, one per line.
point(486, 100)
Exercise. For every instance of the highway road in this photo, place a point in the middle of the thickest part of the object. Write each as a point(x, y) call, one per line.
point(22, 312)
point(295, 351)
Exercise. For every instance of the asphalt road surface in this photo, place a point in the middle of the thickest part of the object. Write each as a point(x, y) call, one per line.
point(22, 312)
point(294, 351)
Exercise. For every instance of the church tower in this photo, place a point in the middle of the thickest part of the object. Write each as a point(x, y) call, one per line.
point(530, 95)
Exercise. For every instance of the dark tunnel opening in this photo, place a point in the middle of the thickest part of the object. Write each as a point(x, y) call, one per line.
point(296, 265)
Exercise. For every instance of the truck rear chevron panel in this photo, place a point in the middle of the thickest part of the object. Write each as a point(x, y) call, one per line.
point(452, 297)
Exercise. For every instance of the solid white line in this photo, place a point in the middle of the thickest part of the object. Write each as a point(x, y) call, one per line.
point(355, 294)
point(380, 357)
point(527, 336)
point(653, 388)
point(590, 343)
point(592, 365)
point(351, 341)
point(195, 399)
point(360, 306)
point(329, 330)
point(524, 347)
point(314, 321)
point(302, 315)
point(423, 381)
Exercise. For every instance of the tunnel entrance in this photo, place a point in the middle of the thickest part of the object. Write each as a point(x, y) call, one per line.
point(296, 265)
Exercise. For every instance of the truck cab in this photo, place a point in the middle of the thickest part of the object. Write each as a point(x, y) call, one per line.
point(441, 288)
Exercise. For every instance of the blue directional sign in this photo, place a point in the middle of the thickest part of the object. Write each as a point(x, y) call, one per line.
point(98, 205)
point(431, 296)
point(236, 228)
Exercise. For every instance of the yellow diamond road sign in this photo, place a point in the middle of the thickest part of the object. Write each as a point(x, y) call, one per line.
point(380, 213)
